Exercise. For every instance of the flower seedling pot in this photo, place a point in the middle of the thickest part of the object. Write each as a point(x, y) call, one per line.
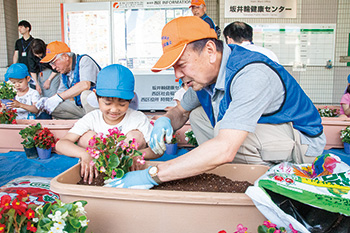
point(44, 153)
point(347, 148)
point(12, 140)
point(159, 211)
point(171, 149)
point(31, 153)
point(5, 101)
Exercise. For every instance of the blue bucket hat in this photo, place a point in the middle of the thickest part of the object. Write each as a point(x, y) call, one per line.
point(115, 81)
point(17, 71)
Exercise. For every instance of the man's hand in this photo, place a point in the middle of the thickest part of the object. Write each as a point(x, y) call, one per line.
point(136, 180)
point(162, 127)
point(47, 84)
point(52, 103)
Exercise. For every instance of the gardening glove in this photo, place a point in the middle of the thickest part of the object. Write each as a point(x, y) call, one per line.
point(135, 180)
point(162, 127)
point(41, 103)
point(52, 103)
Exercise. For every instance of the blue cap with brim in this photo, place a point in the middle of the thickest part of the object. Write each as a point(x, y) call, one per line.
point(17, 71)
point(115, 81)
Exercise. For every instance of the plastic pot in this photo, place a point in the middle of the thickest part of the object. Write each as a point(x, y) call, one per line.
point(346, 148)
point(44, 153)
point(31, 153)
point(171, 149)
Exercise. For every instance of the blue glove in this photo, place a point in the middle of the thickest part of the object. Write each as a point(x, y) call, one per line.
point(135, 180)
point(162, 127)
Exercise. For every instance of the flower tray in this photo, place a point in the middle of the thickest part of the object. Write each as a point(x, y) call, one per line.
point(159, 211)
point(12, 140)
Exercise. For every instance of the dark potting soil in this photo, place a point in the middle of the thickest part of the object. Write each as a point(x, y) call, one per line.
point(206, 182)
point(98, 181)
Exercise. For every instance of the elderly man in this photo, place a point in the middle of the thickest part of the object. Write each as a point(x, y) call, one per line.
point(79, 75)
point(248, 108)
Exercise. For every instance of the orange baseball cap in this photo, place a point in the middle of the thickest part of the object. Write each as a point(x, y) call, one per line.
point(197, 3)
point(54, 48)
point(177, 34)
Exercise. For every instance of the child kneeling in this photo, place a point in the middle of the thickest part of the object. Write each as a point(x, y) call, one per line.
point(114, 90)
point(26, 97)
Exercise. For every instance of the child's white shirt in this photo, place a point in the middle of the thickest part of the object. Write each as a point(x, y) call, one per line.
point(179, 94)
point(93, 121)
point(31, 97)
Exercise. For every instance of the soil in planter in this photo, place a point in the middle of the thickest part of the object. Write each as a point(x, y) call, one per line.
point(206, 182)
point(98, 181)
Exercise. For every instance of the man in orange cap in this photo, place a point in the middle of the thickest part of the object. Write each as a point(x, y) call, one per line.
point(199, 9)
point(243, 107)
point(79, 75)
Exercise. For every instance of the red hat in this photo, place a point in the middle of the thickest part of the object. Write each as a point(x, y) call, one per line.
point(197, 3)
point(53, 49)
point(177, 34)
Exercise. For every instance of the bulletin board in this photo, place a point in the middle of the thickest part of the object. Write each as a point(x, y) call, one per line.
point(308, 44)
point(127, 33)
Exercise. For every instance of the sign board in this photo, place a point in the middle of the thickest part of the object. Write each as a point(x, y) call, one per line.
point(260, 8)
point(308, 44)
point(156, 92)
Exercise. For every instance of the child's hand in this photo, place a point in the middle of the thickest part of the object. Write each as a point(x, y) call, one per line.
point(87, 171)
point(14, 104)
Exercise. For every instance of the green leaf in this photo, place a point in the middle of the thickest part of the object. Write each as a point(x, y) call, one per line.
point(114, 161)
point(129, 163)
point(120, 173)
point(75, 223)
point(83, 229)
point(69, 206)
point(262, 229)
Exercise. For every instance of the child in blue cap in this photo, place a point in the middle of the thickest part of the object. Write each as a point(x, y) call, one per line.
point(26, 97)
point(114, 90)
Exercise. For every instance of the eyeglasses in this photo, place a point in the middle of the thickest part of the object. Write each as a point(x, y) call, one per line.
point(52, 63)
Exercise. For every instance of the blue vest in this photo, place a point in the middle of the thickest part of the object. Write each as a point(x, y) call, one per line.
point(207, 19)
point(296, 107)
point(76, 77)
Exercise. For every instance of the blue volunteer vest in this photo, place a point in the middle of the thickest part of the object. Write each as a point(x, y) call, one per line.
point(296, 107)
point(76, 77)
point(212, 25)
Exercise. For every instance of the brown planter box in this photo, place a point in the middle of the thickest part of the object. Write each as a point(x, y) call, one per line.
point(159, 211)
point(331, 128)
point(11, 132)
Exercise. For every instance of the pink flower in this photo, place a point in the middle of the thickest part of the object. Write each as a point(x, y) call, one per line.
point(114, 173)
point(115, 130)
point(269, 224)
point(241, 229)
point(92, 141)
point(92, 163)
point(293, 230)
point(134, 144)
point(141, 161)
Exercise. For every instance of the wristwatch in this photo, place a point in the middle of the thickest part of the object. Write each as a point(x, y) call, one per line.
point(153, 172)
